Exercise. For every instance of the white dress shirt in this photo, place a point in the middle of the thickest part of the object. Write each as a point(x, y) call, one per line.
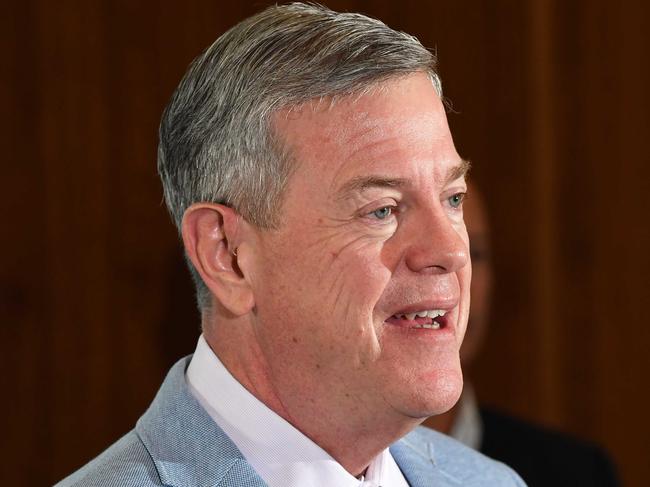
point(281, 454)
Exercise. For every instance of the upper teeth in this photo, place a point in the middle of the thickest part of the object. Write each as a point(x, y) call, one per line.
point(430, 313)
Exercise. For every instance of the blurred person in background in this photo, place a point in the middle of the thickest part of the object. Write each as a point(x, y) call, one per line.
point(542, 456)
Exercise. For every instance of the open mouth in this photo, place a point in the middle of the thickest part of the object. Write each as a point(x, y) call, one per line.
point(431, 319)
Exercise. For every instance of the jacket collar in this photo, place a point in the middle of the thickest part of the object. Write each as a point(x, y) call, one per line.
point(185, 444)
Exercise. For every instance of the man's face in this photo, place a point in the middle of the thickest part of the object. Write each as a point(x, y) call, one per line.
point(371, 232)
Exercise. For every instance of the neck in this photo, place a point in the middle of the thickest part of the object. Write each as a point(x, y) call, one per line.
point(354, 446)
point(340, 423)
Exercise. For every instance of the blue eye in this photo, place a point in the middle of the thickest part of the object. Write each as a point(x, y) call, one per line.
point(456, 200)
point(383, 213)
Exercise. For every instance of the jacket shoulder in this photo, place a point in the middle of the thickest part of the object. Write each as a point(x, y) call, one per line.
point(126, 464)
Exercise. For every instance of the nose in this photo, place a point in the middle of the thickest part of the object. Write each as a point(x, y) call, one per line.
point(436, 244)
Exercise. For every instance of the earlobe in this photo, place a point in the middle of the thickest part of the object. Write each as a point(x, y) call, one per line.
point(210, 236)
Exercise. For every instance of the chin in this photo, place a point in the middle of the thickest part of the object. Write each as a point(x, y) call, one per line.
point(439, 394)
point(449, 394)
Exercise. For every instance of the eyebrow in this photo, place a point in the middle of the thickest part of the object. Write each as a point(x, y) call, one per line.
point(361, 183)
point(459, 171)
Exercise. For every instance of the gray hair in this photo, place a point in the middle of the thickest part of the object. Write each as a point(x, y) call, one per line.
point(217, 143)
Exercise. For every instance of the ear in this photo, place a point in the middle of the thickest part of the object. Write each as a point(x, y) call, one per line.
point(210, 233)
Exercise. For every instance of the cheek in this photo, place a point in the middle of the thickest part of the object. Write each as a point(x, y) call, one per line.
point(343, 298)
point(356, 279)
point(327, 296)
point(341, 268)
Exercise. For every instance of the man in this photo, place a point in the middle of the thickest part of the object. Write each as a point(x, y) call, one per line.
point(307, 161)
point(540, 455)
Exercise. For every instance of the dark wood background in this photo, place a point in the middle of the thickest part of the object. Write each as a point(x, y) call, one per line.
point(552, 102)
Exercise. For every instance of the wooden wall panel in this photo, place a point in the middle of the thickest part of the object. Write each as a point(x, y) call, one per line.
point(550, 103)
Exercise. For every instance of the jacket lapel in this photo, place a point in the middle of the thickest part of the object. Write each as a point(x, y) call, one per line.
point(187, 447)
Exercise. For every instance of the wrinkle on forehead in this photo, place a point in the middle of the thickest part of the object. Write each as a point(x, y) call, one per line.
point(378, 129)
point(358, 108)
point(370, 134)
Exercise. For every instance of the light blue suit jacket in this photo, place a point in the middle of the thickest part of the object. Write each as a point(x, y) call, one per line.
point(176, 443)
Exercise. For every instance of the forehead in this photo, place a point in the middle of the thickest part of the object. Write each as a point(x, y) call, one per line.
point(398, 125)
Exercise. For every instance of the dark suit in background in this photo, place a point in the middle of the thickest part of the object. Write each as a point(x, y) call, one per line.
point(544, 457)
